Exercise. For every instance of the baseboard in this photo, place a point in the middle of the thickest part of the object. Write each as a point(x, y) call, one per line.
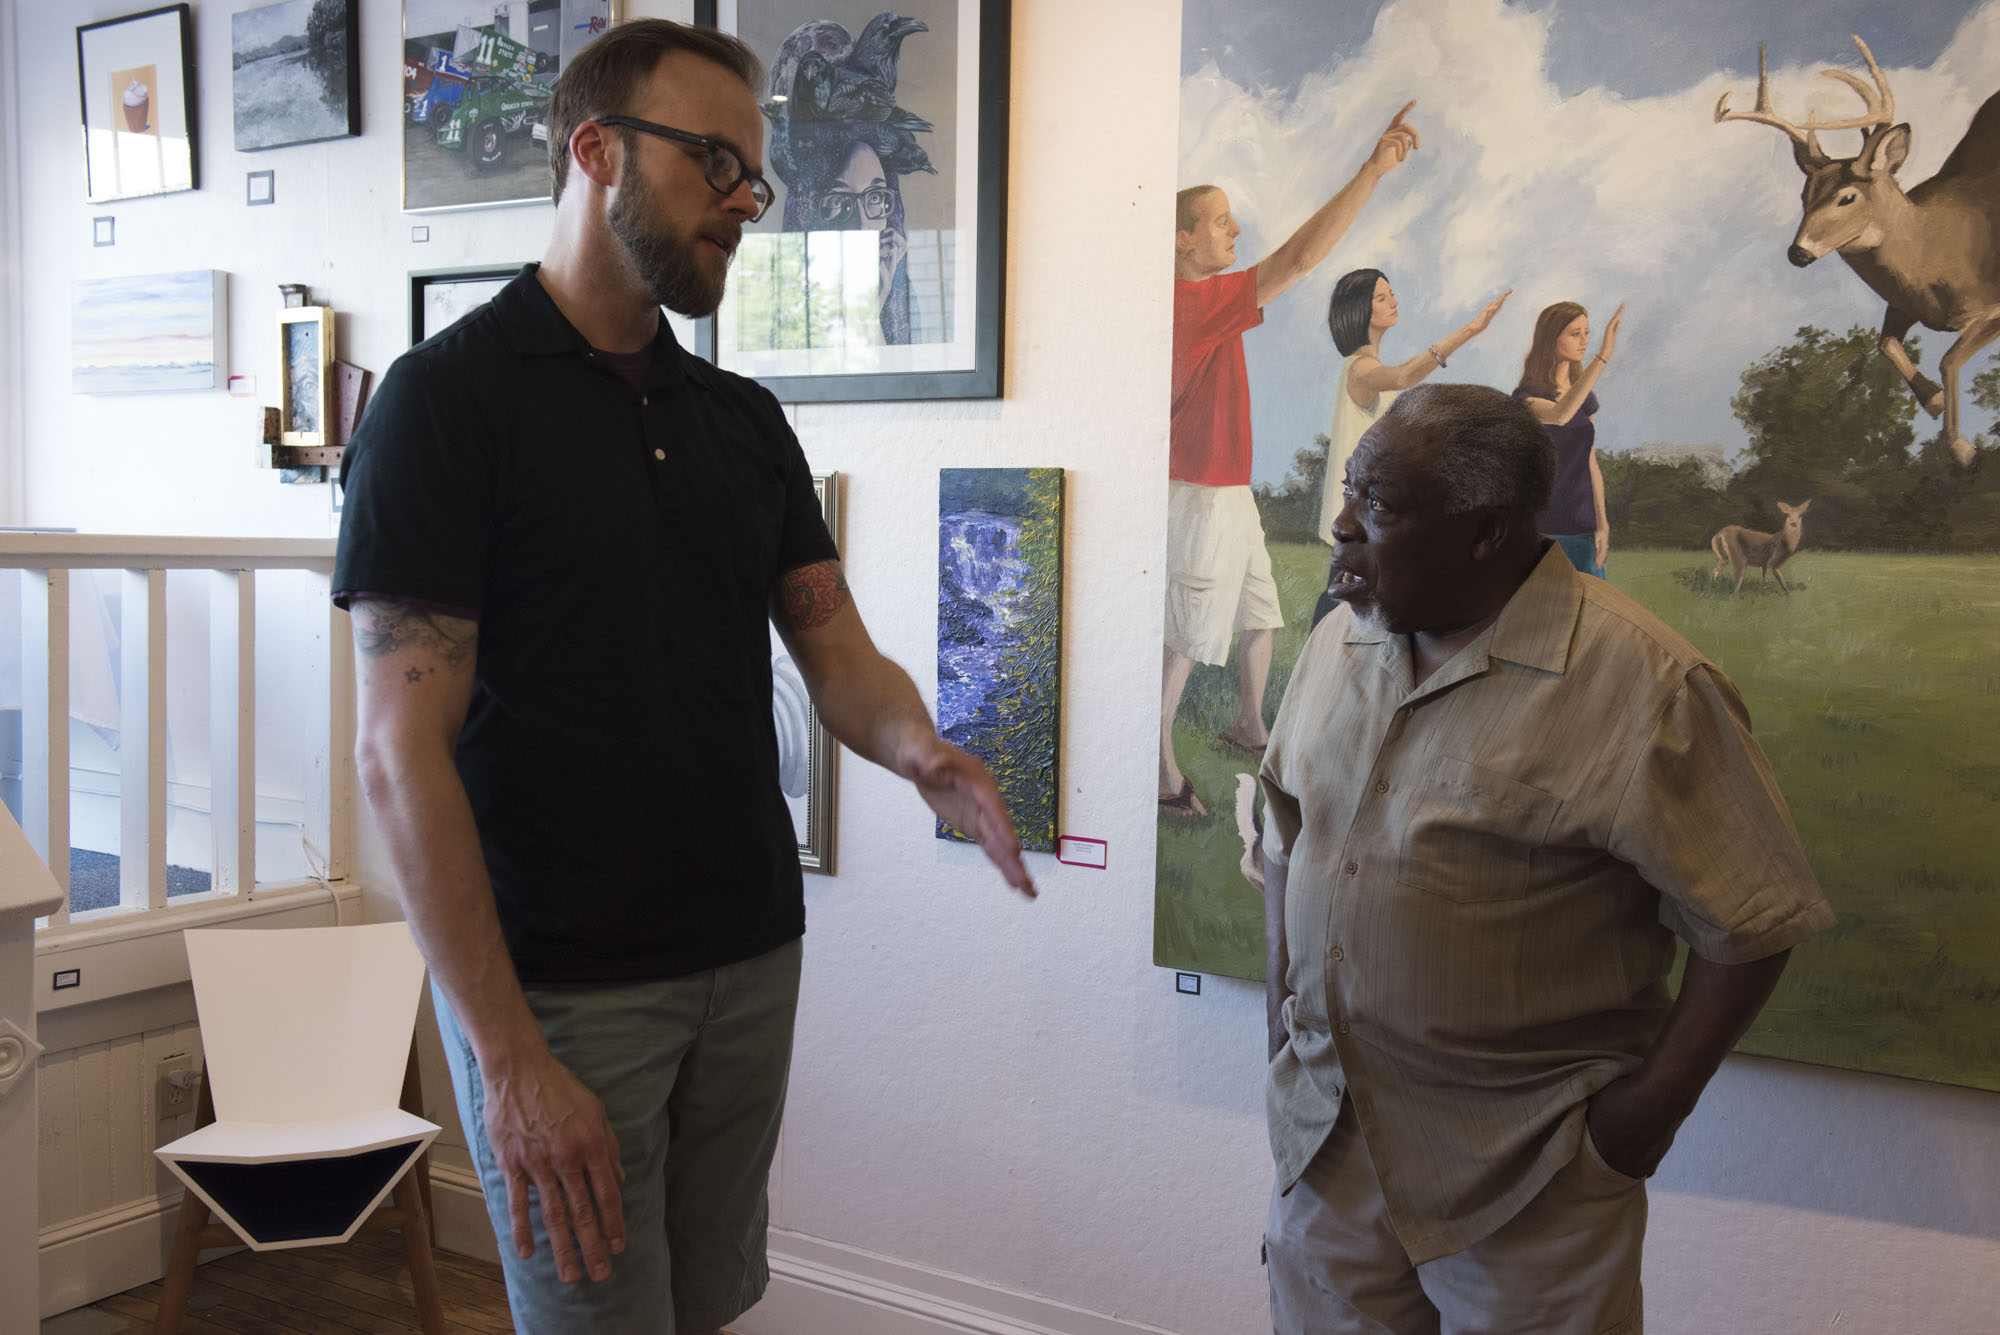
point(83, 1260)
point(830, 1289)
point(826, 1288)
point(462, 1223)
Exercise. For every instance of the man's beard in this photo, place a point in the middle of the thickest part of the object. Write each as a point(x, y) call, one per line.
point(670, 267)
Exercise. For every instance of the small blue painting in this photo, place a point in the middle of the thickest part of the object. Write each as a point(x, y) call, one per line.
point(1000, 633)
point(148, 333)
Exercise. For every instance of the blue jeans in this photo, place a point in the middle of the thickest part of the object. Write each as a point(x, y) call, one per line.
point(704, 1057)
point(1581, 549)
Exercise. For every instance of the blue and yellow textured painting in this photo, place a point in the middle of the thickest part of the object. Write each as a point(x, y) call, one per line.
point(1000, 633)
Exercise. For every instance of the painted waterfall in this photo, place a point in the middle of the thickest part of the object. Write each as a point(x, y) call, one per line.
point(1000, 633)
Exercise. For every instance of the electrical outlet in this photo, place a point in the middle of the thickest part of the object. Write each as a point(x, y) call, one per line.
point(177, 1083)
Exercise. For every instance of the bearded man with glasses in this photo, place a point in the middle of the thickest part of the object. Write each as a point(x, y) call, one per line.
point(564, 537)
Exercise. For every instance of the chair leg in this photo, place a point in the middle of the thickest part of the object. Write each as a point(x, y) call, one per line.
point(194, 1216)
point(179, 1279)
point(413, 1102)
point(417, 1249)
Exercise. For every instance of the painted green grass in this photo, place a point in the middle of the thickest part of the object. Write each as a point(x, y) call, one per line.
point(1206, 917)
point(1874, 687)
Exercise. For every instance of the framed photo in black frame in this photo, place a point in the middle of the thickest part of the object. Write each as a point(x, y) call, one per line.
point(295, 73)
point(438, 297)
point(877, 274)
point(135, 79)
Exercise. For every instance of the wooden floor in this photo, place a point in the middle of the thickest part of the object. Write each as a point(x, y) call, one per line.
point(360, 1286)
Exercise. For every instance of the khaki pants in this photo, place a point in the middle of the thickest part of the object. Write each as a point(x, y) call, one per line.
point(1568, 1264)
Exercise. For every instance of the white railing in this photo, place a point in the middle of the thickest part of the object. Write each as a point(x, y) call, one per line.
point(325, 696)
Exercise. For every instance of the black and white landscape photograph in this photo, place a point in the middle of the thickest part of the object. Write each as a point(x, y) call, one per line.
point(296, 77)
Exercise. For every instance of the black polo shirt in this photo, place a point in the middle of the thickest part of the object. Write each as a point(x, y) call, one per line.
point(619, 548)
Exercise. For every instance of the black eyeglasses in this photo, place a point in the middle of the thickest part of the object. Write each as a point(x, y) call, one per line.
point(725, 166)
point(840, 206)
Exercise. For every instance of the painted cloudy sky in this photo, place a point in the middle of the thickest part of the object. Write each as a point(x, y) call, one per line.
point(1566, 158)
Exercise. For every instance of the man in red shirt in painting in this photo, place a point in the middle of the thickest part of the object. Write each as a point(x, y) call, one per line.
point(1218, 571)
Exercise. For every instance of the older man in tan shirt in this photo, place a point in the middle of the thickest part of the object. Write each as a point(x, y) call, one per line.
point(1497, 794)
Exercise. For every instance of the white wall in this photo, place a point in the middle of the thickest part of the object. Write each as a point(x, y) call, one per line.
point(1005, 1092)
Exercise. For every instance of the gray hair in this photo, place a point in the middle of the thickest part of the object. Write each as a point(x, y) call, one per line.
point(1495, 453)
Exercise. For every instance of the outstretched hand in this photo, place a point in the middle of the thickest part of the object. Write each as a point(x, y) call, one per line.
point(1397, 142)
point(1610, 339)
point(1485, 317)
point(549, 1132)
point(964, 796)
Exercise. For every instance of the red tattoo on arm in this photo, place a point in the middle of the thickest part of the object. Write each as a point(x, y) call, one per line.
point(811, 595)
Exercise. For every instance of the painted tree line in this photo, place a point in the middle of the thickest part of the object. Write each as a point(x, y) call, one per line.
point(1829, 420)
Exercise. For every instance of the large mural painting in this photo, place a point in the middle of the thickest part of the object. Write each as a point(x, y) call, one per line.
point(1780, 224)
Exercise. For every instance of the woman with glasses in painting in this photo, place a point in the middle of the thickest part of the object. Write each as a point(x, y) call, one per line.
point(841, 144)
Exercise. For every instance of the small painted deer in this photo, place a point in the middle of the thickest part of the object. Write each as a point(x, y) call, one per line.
point(1932, 253)
point(1744, 548)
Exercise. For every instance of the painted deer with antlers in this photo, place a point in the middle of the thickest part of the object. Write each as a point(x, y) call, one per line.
point(1747, 549)
point(1932, 253)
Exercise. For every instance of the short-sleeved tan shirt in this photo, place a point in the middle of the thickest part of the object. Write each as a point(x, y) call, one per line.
point(1487, 873)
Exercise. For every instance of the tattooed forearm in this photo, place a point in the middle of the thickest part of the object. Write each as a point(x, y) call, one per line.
point(383, 628)
point(810, 596)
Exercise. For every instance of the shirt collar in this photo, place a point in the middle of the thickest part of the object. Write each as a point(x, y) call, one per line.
point(1538, 624)
point(534, 326)
point(1534, 629)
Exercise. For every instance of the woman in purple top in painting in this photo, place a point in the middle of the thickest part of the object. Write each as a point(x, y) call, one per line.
point(1557, 384)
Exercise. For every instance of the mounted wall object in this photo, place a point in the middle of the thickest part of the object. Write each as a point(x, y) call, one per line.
point(999, 636)
point(149, 333)
point(476, 82)
point(877, 272)
point(305, 380)
point(295, 73)
point(135, 79)
point(808, 756)
point(438, 297)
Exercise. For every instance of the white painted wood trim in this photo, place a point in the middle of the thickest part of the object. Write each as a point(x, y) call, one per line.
point(45, 722)
point(121, 955)
point(125, 551)
point(827, 1288)
point(831, 1289)
point(142, 740)
point(463, 1225)
point(83, 1260)
point(330, 733)
point(232, 715)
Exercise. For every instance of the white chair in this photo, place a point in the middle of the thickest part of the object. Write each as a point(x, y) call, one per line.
point(311, 1078)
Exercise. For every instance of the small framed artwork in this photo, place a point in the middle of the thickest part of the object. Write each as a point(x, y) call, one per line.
point(807, 753)
point(477, 77)
point(877, 272)
point(135, 76)
point(296, 73)
point(104, 231)
point(438, 297)
point(149, 333)
point(305, 380)
point(260, 188)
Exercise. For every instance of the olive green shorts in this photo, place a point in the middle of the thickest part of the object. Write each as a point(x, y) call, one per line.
point(692, 1073)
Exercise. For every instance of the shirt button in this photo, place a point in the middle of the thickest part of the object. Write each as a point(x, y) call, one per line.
point(1381, 786)
point(661, 455)
point(1352, 867)
point(1338, 955)
point(1341, 1028)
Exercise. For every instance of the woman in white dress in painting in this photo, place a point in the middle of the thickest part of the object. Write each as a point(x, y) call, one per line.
point(1363, 309)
